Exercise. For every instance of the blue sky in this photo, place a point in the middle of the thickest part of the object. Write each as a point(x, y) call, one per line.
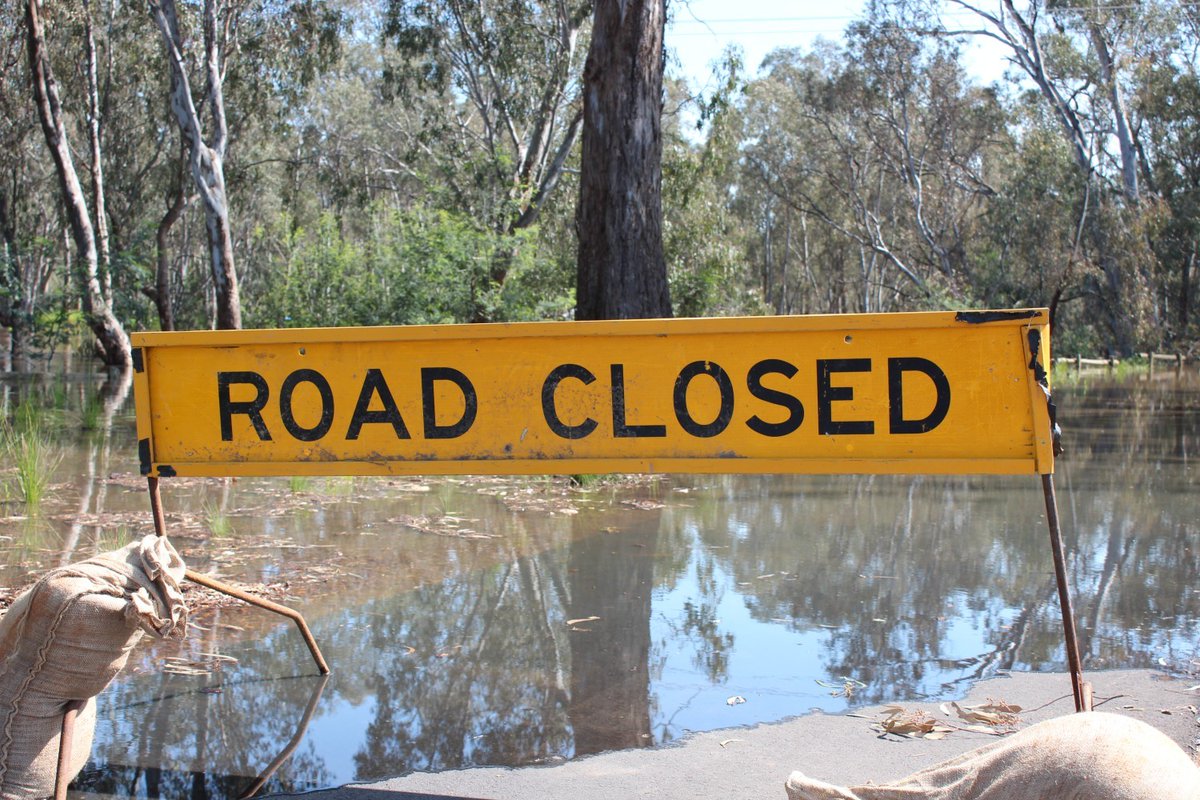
point(700, 31)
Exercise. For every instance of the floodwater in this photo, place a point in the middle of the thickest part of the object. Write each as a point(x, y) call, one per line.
point(522, 621)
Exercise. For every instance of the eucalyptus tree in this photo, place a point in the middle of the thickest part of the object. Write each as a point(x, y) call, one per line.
point(1030, 246)
point(20, 270)
point(492, 95)
point(141, 156)
point(1165, 111)
point(704, 241)
point(281, 47)
point(89, 234)
point(935, 134)
point(808, 159)
point(871, 163)
point(206, 153)
point(1083, 63)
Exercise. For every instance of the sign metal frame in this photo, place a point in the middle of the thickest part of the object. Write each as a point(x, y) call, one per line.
point(762, 366)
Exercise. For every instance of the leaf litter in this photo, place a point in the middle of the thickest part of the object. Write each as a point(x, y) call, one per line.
point(994, 718)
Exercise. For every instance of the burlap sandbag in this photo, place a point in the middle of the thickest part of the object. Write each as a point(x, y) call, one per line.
point(66, 638)
point(1092, 756)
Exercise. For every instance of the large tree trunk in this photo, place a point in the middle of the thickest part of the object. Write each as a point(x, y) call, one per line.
point(207, 158)
point(111, 340)
point(622, 273)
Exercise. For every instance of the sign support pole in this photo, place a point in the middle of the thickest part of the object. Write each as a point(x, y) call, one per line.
point(1080, 689)
point(160, 527)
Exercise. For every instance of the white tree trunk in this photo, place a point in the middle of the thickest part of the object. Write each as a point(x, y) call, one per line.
point(206, 158)
point(111, 339)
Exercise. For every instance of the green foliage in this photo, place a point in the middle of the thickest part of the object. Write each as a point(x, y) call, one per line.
point(218, 522)
point(109, 539)
point(91, 411)
point(32, 455)
point(703, 239)
point(415, 267)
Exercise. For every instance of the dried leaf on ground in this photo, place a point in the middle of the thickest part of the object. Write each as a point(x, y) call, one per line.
point(913, 723)
point(990, 713)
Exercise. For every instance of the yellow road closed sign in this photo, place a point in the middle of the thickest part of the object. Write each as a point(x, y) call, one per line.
point(938, 392)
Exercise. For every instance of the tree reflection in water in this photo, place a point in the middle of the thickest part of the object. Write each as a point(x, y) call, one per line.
point(458, 652)
point(612, 578)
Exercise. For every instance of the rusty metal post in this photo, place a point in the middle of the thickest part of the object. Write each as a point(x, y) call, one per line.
point(1079, 689)
point(156, 509)
point(160, 527)
point(246, 597)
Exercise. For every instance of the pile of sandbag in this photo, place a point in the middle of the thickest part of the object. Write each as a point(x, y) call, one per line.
point(1091, 756)
point(63, 640)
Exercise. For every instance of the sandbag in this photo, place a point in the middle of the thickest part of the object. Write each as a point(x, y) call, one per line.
point(1091, 756)
point(64, 639)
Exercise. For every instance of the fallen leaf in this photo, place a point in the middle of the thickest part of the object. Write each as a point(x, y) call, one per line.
point(730, 741)
point(582, 619)
point(914, 723)
point(736, 700)
point(999, 706)
point(981, 713)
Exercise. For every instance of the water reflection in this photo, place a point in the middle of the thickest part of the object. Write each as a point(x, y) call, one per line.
point(487, 621)
point(611, 579)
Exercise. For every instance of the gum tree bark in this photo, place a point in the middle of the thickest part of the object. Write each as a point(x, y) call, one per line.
point(111, 340)
point(621, 272)
point(207, 159)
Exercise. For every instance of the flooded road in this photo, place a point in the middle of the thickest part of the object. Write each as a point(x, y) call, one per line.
point(521, 621)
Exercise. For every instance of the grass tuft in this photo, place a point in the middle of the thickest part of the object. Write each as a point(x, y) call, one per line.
point(32, 456)
point(219, 524)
